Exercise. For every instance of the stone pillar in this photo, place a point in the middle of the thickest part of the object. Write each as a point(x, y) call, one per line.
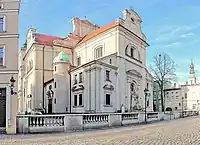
point(11, 113)
point(141, 117)
point(73, 122)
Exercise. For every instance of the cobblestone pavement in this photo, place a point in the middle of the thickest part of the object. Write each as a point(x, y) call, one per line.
point(176, 132)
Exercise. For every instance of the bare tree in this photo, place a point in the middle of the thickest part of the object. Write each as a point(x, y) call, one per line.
point(163, 71)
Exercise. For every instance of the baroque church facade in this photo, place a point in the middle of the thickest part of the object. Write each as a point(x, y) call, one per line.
point(93, 70)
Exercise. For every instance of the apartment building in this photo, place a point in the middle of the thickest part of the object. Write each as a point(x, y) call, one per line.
point(9, 11)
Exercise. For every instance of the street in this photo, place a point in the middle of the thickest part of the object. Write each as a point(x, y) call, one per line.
point(176, 132)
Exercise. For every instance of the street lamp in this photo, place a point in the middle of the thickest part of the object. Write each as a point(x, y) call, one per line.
point(12, 82)
point(182, 107)
point(145, 93)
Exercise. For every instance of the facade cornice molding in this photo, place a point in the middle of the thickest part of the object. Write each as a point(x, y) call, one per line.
point(97, 62)
point(9, 1)
point(141, 65)
point(9, 71)
point(8, 35)
point(134, 73)
point(9, 10)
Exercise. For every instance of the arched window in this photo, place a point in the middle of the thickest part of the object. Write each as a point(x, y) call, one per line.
point(132, 87)
point(133, 52)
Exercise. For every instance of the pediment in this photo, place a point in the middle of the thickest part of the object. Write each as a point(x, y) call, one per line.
point(134, 73)
point(77, 88)
point(108, 87)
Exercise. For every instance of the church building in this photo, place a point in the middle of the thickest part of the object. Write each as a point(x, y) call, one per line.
point(93, 70)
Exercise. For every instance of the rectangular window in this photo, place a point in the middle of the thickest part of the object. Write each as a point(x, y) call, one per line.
point(185, 95)
point(80, 77)
point(99, 52)
point(80, 99)
point(75, 100)
point(2, 20)
point(108, 99)
point(78, 61)
point(179, 104)
point(75, 79)
point(107, 75)
point(55, 84)
point(1, 56)
point(147, 103)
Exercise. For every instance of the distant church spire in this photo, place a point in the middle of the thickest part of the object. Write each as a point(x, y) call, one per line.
point(192, 77)
point(192, 68)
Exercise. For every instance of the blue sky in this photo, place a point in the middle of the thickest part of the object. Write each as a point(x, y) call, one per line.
point(171, 26)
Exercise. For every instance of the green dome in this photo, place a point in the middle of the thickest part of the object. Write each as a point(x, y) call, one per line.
point(63, 57)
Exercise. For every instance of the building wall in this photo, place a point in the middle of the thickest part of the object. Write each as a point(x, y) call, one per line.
point(191, 94)
point(95, 88)
point(9, 42)
point(188, 95)
point(173, 99)
point(86, 51)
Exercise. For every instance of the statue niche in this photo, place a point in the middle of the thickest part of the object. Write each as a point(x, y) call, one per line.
point(50, 94)
point(134, 98)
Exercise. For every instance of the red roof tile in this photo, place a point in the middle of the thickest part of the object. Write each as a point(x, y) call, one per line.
point(45, 39)
point(98, 31)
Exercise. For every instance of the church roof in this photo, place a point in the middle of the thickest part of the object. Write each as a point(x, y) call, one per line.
point(45, 39)
point(98, 31)
point(61, 57)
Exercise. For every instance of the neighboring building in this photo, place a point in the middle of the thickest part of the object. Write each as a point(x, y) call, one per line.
point(9, 11)
point(173, 99)
point(103, 71)
point(188, 94)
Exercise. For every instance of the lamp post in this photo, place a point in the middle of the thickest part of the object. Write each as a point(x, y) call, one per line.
point(145, 93)
point(12, 82)
point(182, 108)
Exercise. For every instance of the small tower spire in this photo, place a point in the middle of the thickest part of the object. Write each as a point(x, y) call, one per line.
point(192, 67)
point(192, 78)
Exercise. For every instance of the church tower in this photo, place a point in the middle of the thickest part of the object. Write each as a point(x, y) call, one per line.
point(192, 78)
point(61, 78)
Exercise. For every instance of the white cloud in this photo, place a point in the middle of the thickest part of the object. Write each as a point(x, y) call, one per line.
point(187, 35)
point(168, 33)
point(183, 28)
point(173, 44)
